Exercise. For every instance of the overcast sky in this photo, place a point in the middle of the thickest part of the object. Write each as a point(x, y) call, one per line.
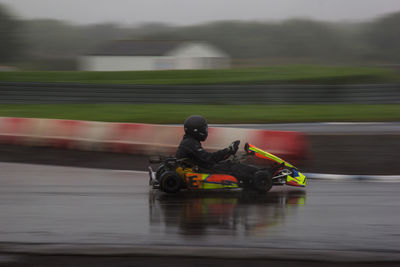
point(182, 12)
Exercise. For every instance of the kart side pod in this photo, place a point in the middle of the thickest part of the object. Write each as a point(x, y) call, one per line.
point(209, 181)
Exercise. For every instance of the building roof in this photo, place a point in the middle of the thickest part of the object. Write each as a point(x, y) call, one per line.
point(136, 48)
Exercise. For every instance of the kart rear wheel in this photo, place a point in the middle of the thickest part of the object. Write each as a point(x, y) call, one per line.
point(160, 171)
point(170, 182)
point(262, 181)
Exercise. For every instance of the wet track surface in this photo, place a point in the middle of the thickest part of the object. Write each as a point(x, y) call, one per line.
point(47, 204)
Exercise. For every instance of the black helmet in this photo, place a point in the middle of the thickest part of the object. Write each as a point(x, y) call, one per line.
point(196, 126)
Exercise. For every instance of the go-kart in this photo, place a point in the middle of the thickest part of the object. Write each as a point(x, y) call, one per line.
point(175, 174)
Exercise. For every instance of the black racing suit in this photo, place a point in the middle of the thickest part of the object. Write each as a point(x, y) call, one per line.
point(191, 148)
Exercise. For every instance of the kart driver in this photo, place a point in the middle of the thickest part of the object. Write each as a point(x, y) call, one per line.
point(196, 131)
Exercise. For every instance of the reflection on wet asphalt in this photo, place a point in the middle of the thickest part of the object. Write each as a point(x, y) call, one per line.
point(226, 213)
point(71, 205)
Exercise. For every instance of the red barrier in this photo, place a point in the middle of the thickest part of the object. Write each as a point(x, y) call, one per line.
point(141, 138)
point(292, 146)
point(15, 130)
point(65, 133)
point(121, 136)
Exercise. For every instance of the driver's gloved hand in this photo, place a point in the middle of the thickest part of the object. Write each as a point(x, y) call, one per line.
point(234, 147)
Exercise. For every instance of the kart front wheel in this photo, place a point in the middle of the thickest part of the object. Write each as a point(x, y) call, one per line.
point(262, 181)
point(170, 182)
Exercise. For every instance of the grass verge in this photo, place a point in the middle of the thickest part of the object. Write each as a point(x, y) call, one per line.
point(276, 74)
point(168, 113)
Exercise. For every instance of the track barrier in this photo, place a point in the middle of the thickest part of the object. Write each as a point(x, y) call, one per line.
point(136, 138)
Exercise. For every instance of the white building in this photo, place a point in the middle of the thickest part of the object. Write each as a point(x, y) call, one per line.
point(154, 55)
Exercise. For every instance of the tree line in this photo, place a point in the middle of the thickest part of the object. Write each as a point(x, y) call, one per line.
point(54, 44)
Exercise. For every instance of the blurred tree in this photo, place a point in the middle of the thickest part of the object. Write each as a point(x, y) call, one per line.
point(383, 36)
point(305, 38)
point(290, 41)
point(53, 38)
point(55, 45)
point(10, 43)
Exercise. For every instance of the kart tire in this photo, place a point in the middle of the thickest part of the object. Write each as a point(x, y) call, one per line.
point(160, 171)
point(262, 181)
point(170, 182)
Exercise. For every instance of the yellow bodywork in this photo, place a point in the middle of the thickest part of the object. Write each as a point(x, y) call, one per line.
point(295, 179)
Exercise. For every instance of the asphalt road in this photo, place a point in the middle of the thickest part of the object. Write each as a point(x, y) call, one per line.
point(81, 208)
